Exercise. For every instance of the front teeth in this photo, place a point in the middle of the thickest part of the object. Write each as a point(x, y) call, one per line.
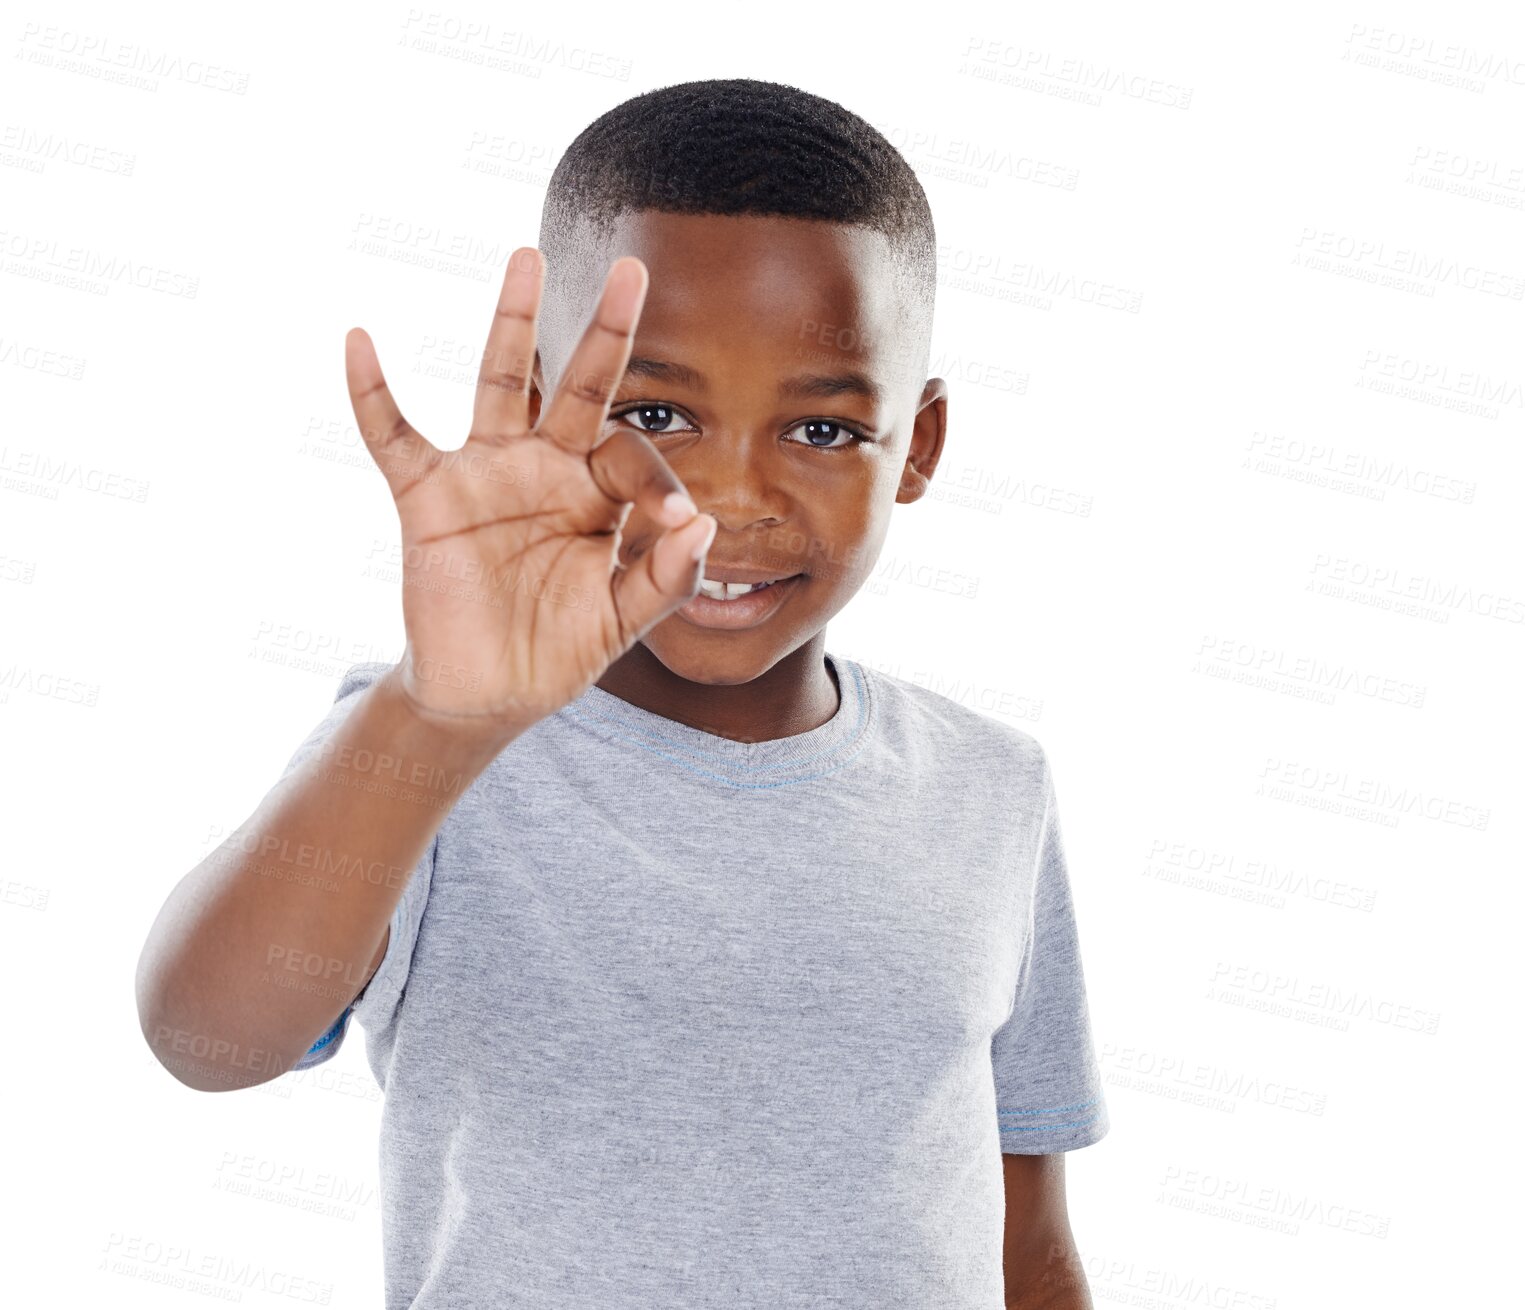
point(728, 590)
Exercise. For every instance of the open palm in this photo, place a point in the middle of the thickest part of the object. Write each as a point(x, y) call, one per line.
point(514, 597)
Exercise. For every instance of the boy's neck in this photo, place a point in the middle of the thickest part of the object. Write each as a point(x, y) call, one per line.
point(797, 694)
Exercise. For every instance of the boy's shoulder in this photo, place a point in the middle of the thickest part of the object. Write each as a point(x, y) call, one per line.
point(923, 714)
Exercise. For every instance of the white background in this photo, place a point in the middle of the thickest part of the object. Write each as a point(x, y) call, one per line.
point(1243, 553)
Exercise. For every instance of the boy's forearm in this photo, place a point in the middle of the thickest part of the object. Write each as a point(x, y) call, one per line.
point(1075, 1296)
point(1055, 1281)
point(258, 949)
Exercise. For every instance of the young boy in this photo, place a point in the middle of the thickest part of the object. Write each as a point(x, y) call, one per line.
point(700, 966)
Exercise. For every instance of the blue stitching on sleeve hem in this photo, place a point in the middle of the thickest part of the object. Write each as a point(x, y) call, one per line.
point(330, 1034)
point(1078, 1105)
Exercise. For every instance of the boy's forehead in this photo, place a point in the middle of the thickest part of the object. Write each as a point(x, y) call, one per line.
point(823, 287)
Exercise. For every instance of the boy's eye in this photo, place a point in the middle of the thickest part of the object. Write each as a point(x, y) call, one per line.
point(822, 433)
point(660, 417)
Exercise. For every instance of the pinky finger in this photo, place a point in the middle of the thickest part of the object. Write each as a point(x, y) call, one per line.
point(400, 451)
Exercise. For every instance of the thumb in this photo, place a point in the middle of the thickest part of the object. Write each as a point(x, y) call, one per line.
point(666, 576)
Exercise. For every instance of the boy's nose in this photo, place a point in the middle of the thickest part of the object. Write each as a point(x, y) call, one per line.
point(731, 481)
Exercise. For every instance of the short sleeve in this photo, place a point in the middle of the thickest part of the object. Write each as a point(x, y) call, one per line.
point(1048, 1085)
point(376, 1005)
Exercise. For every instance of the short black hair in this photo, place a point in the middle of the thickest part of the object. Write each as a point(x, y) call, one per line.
point(743, 146)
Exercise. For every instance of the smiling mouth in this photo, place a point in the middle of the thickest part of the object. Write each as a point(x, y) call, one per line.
point(724, 591)
point(737, 605)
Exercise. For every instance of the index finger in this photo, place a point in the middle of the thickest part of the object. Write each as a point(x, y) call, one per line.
point(577, 411)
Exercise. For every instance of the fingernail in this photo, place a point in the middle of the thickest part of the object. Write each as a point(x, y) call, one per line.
point(703, 544)
point(678, 508)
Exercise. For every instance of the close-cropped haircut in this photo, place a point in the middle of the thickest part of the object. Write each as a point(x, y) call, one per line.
point(742, 146)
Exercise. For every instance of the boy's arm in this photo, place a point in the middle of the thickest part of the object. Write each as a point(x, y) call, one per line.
point(1041, 1265)
point(303, 893)
point(1049, 1093)
point(530, 513)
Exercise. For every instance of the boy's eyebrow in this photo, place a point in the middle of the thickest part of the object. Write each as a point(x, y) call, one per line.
point(802, 386)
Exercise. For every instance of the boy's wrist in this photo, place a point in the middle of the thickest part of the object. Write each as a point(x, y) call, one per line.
point(456, 743)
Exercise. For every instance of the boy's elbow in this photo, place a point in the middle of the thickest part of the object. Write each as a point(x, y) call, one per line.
point(203, 1062)
point(210, 1066)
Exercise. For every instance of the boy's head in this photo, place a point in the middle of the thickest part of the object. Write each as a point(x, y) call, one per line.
point(779, 365)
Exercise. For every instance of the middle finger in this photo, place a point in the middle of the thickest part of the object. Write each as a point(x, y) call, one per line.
point(576, 414)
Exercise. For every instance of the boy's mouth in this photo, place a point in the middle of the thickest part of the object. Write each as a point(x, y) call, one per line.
point(728, 601)
point(724, 582)
point(731, 590)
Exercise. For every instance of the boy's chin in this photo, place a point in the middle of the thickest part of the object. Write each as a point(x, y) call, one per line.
point(714, 656)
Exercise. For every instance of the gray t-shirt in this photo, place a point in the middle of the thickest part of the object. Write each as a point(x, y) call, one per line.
point(668, 1019)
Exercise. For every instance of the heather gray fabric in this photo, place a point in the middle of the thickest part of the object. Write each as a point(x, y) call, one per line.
point(672, 1020)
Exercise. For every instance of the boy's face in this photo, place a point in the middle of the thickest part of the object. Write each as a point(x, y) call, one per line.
point(741, 313)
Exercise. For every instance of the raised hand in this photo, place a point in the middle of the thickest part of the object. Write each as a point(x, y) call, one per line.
point(514, 597)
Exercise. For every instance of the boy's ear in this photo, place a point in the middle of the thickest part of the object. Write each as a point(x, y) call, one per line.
point(927, 432)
